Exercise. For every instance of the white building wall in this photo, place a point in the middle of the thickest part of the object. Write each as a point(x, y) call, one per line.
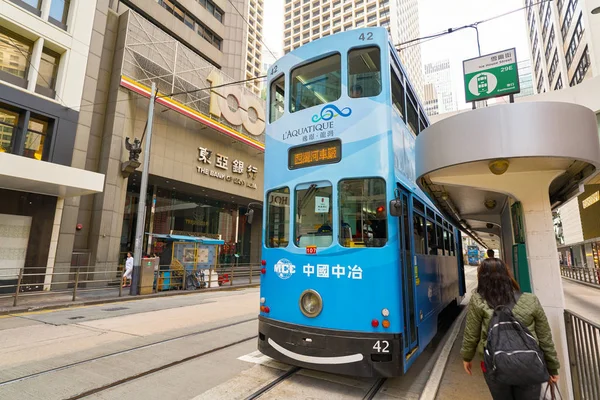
point(571, 222)
point(73, 44)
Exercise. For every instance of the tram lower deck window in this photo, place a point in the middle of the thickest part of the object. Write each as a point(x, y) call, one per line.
point(314, 215)
point(363, 214)
point(278, 218)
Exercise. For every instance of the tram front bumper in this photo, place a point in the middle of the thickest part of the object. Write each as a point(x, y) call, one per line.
point(349, 353)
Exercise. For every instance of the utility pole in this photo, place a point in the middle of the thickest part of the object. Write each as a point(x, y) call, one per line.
point(141, 211)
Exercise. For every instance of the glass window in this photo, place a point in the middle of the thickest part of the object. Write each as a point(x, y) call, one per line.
point(452, 245)
point(188, 20)
point(413, 117)
point(431, 238)
point(363, 214)
point(364, 72)
point(48, 69)
point(33, 3)
point(397, 95)
point(8, 123)
point(16, 51)
point(440, 240)
point(179, 14)
point(316, 83)
point(278, 218)
point(59, 10)
point(419, 233)
point(417, 205)
point(447, 242)
point(36, 136)
point(314, 215)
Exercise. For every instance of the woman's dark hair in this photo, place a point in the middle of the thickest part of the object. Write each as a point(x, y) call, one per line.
point(495, 284)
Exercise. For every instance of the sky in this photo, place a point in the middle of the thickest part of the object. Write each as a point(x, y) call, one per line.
point(435, 16)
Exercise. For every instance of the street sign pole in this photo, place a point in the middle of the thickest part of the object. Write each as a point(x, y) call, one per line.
point(141, 210)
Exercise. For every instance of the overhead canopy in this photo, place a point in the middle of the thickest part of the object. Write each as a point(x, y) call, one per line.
point(184, 238)
point(30, 175)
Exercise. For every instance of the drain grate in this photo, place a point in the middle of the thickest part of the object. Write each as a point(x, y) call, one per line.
point(78, 317)
point(116, 309)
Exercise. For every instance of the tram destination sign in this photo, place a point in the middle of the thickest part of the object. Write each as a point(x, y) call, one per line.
point(492, 75)
point(329, 152)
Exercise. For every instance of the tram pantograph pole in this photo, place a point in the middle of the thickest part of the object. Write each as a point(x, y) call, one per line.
point(141, 211)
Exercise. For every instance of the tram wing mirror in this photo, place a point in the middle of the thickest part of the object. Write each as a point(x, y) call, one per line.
point(250, 215)
point(396, 207)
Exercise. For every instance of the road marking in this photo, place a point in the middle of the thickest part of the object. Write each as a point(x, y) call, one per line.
point(256, 357)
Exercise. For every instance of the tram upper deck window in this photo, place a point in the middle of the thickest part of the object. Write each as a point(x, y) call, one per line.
point(277, 108)
point(413, 116)
point(316, 83)
point(397, 95)
point(363, 215)
point(314, 215)
point(278, 218)
point(364, 72)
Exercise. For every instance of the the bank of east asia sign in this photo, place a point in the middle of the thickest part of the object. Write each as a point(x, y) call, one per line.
point(492, 75)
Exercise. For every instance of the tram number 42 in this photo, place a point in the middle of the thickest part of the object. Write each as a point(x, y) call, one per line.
point(366, 36)
point(382, 346)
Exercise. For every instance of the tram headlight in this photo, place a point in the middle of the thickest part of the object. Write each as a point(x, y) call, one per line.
point(311, 303)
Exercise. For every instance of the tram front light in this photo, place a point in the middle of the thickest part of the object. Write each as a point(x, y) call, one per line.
point(311, 303)
point(385, 312)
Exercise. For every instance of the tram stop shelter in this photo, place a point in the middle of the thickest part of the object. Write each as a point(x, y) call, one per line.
point(498, 172)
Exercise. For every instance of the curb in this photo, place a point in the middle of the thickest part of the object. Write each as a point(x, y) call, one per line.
point(581, 282)
point(124, 298)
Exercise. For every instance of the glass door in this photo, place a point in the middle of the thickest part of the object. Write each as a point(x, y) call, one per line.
point(410, 319)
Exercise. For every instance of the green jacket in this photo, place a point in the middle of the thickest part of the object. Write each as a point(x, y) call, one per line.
point(528, 311)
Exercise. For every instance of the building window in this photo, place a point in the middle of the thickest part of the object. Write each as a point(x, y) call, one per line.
point(540, 84)
point(582, 68)
point(537, 65)
point(568, 18)
point(535, 45)
point(8, 124)
point(574, 44)
point(35, 138)
point(559, 83)
point(59, 12)
point(359, 14)
point(546, 23)
point(209, 36)
point(14, 65)
point(46, 83)
point(559, 4)
point(33, 6)
point(372, 18)
point(553, 68)
point(549, 45)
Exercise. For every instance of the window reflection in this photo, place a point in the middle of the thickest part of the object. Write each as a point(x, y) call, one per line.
point(8, 123)
point(35, 138)
point(363, 215)
point(14, 53)
point(59, 10)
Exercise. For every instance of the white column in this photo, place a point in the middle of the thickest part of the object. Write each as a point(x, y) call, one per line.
point(45, 9)
point(60, 202)
point(34, 67)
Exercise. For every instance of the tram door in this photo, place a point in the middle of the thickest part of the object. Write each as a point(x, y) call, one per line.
point(410, 319)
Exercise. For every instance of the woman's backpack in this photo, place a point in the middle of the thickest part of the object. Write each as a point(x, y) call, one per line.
point(512, 356)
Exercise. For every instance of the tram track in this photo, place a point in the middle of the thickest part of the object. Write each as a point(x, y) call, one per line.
point(138, 348)
point(377, 385)
point(288, 374)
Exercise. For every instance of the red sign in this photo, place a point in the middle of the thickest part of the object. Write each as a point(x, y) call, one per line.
point(311, 249)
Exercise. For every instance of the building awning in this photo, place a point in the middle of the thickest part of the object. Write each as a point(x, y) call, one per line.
point(183, 238)
point(28, 175)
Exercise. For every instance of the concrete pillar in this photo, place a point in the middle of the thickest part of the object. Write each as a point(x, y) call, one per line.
point(45, 10)
point(531, 189)
point(34, 66)
point(60, 202)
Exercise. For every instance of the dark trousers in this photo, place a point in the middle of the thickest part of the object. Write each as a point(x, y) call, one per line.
point(500, 391)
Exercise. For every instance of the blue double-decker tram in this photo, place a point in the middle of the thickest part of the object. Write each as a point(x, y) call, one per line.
point(358, 262)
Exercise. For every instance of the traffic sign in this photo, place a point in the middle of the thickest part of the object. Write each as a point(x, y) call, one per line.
point(492, 75)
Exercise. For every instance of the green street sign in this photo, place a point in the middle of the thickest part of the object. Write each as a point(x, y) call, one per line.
point(492, 75)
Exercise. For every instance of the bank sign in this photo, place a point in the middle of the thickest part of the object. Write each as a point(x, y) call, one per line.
point(492, 75)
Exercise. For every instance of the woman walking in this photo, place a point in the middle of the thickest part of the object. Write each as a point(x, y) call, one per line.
point(496, 288)
point(128, 270)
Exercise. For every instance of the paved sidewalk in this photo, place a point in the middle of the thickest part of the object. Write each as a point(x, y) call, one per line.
point(53, 300)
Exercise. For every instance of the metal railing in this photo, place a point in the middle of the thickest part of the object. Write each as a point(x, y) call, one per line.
point(583, 342)
point(588, 275)
point(86, 282)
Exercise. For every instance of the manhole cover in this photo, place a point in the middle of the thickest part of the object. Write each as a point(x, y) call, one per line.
point(78, 317)
point(116, 309)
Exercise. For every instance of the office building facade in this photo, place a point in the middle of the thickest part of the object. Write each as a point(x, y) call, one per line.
point(439, 74)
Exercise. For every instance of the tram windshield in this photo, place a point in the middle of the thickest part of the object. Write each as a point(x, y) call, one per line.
point(316, 83)
point(314, 215)
point(363, 215)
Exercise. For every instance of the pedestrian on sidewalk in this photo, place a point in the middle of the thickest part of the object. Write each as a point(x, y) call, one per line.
point(496, 289)
point(128, 270)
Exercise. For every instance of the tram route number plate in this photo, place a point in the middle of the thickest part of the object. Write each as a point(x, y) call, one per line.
point(311, 249)
point(382, 346)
